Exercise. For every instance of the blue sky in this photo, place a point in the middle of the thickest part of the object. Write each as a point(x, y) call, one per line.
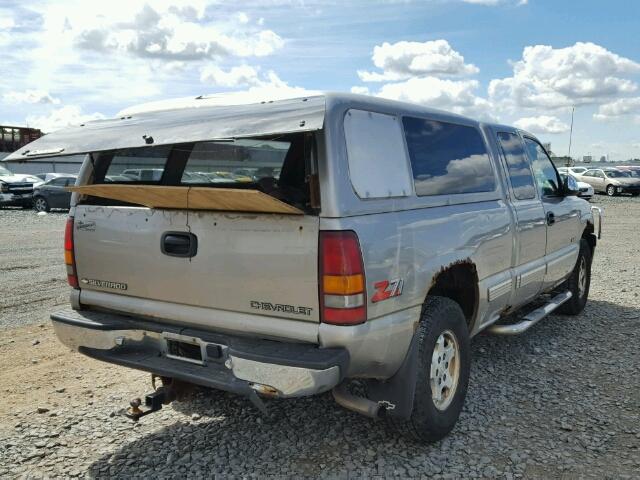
point(514, 61)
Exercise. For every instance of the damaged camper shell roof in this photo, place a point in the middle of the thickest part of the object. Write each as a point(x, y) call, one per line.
point(190, 124)
point(215, 122)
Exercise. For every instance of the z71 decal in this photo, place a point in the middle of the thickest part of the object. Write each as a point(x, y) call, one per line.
point(387, 289)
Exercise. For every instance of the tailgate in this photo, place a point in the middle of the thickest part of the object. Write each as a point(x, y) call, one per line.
point(261, 264)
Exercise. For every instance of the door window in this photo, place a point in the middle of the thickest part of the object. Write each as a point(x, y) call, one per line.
point(545, 173)
point(58, 182)
point(517, 165)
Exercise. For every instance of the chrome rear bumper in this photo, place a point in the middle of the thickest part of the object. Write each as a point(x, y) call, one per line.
point(235, 364)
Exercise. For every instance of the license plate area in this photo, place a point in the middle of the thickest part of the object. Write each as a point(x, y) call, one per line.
point(186, 349)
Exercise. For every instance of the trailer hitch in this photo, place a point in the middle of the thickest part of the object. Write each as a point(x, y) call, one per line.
point(154, 401)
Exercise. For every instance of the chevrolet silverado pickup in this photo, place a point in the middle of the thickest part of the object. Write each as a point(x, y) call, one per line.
point(373, 241)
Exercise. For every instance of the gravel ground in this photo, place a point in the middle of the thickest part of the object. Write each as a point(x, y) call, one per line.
point(560, 401)
point(32, 271)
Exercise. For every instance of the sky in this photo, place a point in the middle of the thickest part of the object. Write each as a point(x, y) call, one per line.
point(520, 62)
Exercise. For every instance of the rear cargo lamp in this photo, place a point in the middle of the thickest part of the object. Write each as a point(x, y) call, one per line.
point(69, 258)
point(342, 282)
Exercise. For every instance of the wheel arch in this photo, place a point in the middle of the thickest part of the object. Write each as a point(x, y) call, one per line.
point(590, 236)
point(458, 281)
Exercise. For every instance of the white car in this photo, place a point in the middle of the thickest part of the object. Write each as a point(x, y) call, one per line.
point(575, 171)
point(16, 189)
point(45, 177)
point(584, 189)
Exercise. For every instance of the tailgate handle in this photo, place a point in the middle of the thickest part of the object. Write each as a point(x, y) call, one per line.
point(179, 244)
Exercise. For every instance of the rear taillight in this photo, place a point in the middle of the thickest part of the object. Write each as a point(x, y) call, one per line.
point(69, 258)
point(343, 297)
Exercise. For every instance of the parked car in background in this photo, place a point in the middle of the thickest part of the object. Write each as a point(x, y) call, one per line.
point(611, 181)
point(575, 171)
point(143, 174)
point(45, 177)
point(16, 189)
point(633, 170)
point(53, 194)
point(584, 189)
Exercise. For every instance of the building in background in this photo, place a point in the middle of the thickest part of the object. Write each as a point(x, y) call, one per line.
point(587, 159)
point(13, 138)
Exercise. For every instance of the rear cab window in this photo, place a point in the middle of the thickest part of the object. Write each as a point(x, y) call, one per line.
point(447, 158)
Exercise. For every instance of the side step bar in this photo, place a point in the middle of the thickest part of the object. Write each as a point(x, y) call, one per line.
point(531, 318)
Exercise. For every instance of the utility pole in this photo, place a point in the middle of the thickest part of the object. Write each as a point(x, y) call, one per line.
point(573, 109)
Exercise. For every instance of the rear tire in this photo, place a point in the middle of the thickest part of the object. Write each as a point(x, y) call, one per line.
point(579, 282)
point(611, 190)
point(444, 362)
point(40, 204)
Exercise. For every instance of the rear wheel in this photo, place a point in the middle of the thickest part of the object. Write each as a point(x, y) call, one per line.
point(40, 204)
point(611, 190)
point(579, 282)
point(444, 361)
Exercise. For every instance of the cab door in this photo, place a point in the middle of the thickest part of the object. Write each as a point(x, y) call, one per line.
point(599, 181)
point(531, 229)
point(562, 216)
point(56, 193)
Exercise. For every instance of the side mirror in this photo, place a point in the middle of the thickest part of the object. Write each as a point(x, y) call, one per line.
point(571, 186)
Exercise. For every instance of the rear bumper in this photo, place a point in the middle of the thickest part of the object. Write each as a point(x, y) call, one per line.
point(230, 363)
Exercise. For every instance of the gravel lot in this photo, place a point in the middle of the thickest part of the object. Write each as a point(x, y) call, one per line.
point(560, 401)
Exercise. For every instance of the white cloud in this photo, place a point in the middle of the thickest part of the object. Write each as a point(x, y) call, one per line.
point(403, 60)
point(424, 73)
point(619, 108)
point(6, 22)
point(548, 77)
point(269, 88)
point(456, 96)
point(243, 75)
point(542, 124)
point(30, 96)
point(360, 90)
point(165, 32)
point(242, 17)
point(61, 118)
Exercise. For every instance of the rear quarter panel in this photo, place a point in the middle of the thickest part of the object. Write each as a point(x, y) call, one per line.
point(415, 245)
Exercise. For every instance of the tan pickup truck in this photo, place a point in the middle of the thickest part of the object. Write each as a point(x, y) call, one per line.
point(287, 248)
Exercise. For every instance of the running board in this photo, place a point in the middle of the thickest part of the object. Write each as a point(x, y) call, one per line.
point(531, 318)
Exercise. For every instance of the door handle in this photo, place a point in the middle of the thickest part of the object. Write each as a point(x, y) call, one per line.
point(551, 218)
point(179, 244)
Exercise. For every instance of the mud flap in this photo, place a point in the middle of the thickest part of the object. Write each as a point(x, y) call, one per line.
point(397, 393)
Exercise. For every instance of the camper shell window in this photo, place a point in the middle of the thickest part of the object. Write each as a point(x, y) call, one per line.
point(281, 166)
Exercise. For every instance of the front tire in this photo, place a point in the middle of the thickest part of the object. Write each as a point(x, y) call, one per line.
point(40, 204)
point(444, 363)
point(611, 190)
point(579, 282)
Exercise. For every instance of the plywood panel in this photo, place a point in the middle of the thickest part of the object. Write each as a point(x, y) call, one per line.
point(191, 198)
